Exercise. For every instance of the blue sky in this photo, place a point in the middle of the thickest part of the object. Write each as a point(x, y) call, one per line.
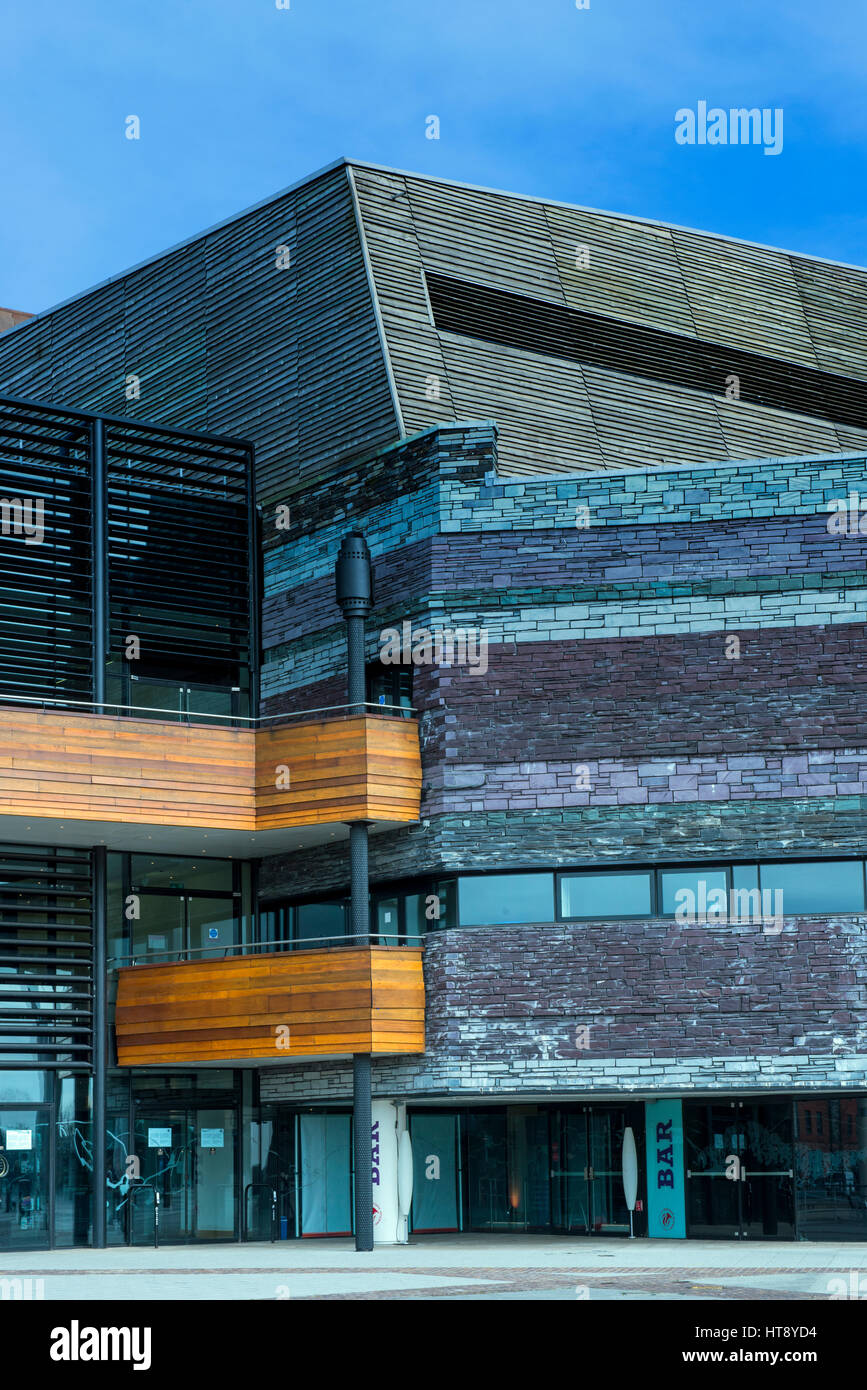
point(238, 99)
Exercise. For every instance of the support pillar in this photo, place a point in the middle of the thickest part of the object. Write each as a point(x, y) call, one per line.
point(100, 1051)
point(354, 591)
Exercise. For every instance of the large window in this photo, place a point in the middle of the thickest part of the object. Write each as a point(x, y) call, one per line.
point(693, 890)
point(494, 899)
point(316, 920)
point(404, 911)
point(606, 895)
point(831, 885)
point(391, 687)
point(165, 908)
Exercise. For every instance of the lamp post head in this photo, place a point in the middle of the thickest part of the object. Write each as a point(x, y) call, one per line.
point(354, 576)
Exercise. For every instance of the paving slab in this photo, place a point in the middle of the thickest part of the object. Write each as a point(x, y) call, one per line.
point(451, 1267)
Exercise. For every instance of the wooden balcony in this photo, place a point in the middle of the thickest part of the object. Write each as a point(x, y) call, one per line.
point(83, 779)
point(272, 1008)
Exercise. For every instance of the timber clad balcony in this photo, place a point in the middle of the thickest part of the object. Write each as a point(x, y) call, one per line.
point(275, 1007)
point(82, 779)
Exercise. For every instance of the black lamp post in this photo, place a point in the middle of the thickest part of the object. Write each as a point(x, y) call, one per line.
point(354, 582)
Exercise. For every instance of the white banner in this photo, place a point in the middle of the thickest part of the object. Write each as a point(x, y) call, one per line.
point(383, 1136)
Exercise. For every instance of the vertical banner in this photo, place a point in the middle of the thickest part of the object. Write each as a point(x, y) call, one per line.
point(383, 1138)
point(666, 1177)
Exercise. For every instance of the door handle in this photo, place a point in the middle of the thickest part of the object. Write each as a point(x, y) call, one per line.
point(768, 1173)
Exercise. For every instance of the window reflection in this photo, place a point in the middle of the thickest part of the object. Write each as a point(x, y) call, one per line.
point(605, 895)
point(503, 898)
point(831, 1167)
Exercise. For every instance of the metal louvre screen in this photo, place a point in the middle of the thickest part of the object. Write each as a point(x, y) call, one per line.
point(175, 535)
point(178, 556)
point(45, 553)
point(554, 330)
point(46, 954)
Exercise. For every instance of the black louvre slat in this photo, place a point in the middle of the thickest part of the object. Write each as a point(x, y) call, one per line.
point(52, 1003)
point(45, 633)
point(178, 561)
point(535, 325)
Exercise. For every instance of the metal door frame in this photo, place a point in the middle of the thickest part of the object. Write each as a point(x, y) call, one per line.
point(49, 1107)
point(587, 1111)
point(739, 1110)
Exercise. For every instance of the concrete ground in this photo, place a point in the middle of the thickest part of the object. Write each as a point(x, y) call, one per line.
point(456, 1268)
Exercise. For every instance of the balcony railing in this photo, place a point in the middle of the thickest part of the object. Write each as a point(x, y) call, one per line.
point(251, 948)
point(241, 721)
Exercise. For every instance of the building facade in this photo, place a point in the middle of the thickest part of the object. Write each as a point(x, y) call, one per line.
point(611, 476)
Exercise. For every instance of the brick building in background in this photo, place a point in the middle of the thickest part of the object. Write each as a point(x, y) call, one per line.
point(606, 450)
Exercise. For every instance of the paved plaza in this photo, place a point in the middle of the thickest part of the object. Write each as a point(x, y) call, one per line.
point(457, 1268)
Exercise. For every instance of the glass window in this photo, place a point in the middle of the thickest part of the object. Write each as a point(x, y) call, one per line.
point(158, 932)
point(116, 921)
point(274, 923)
point(390, 686)
point(416, 906)
point(386, 921)
point(496, 899)
point(605, 895)
point(826, 885)
point(212, 927)
point(165, 871)
point(445, 902)
point(315, 920)
point(693, 890)
point(745, 877)
point(17, 1086)
point(72, 1161)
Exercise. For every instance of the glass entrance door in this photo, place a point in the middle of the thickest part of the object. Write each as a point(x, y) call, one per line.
point(507, 1168)
point(587, 1169)
point(24, 1178)
point(739, 1171)
point(767, 1173)
point(188, 1158)
point(165, 1145)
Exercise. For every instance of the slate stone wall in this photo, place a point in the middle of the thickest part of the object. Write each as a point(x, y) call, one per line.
point(666, 1008)
point(615, 724)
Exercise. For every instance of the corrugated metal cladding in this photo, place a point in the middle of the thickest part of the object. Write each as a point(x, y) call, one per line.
point(224, 340)
point(558, 415)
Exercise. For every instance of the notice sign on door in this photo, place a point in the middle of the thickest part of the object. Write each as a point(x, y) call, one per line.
point(212, 1138)
point(19, 1138)
point(159, 1138)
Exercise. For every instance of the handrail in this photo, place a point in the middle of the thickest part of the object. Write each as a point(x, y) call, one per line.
point(279, 1187)
point(100, 706)
point(145, 1186)
point(251, 947)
